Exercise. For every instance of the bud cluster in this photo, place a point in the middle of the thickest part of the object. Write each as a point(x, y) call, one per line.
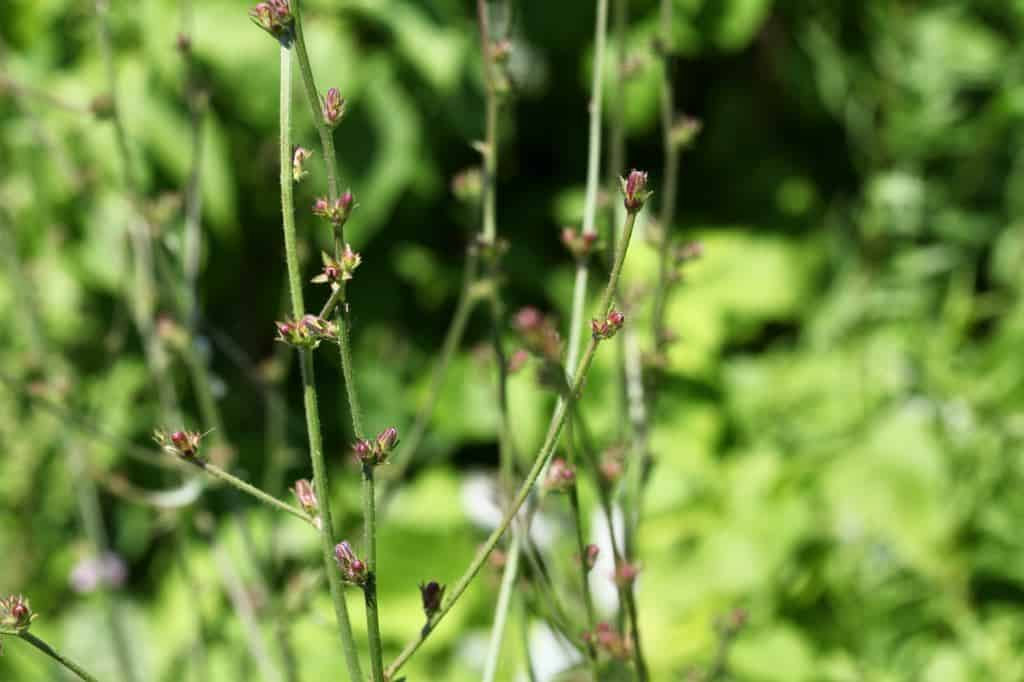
point(353, 569)
point(539, 334)
point(15, 614)
point(299, 157)
point(431, 593)
point(306, 332)
point(608, 640)
point(336, 211)
point(333, 107)
point(184, 444)
point(613, 463)
point(274, 17)
point(579, 244)
point(607, 328)
point(634, 190)
point(561, 476)
point(376, 451)
point(338, 270)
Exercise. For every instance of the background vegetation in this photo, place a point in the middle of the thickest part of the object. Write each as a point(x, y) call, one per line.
point(838, 438)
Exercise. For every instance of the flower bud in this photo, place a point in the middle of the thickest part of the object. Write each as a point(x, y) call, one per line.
point(337, 211)
point(613, 464)
point(353, 569)
point(15, 614)
point(386, 440)
point(634, 190)
point(590, 554)
point(579, 244)
point(467, 185)
point(608, 328)
point(338, 270)
point(539, 334)
point(333, 107)
point(561, 477)
point(607, 639)
point(307, 496)
point(431, 593)
point(183, 444)
point(363, 450)
point(274, 17)
point(306, 332)
point(298, 159)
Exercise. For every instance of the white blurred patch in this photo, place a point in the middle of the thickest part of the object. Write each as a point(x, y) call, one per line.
point(551, 654)
point(602, 587)
point(480, 502)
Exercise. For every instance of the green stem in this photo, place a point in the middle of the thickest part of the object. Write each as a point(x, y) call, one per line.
point(370, 588)
point(508, 582)
point(345, 348)
point(581, 549)
point(524, 633)
point(558, 421)
point(252, 490)
point(60, 658)
point(309, 395)
point(579, 296)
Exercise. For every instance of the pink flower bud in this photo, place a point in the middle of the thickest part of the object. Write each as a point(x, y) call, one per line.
point(307, 497)
point(634, 190)
point(353, 570)
point(333, 108)
point(561, 477)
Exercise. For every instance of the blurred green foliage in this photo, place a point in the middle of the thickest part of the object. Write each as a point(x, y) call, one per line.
point(838, 436)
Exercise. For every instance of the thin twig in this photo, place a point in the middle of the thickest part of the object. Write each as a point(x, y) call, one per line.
point(60, 658)
point(508, 582)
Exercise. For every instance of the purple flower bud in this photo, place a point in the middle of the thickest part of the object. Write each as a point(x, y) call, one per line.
point(386, 441)
point(528, 319)
point(363, 450)
point(180, 443)
point(333, 108)
point(431, 594)
point(321, 207)
point(15, 613)
point(353, 570)
point(307, 497)
point(607, 328)
point(625, 574)
point(561, 477)
point(274, 17)
point(634, 190)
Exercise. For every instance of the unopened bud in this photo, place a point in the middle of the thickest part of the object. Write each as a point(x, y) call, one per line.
point(625, 574)
point(307, 496)
point(15, 614)
point(431, 593)
point(590, 554)
point(561, 477)
point(579, 244)
point(353, 569)
point(298, 159)
point(274, 17)
point(387, 439)
point(183, 444)
point(634, 190)
point(333, 108)
point(684, 131)
point(607, 328)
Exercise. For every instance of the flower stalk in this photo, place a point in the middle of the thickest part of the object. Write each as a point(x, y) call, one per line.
point(57, 656)
point(306, 367)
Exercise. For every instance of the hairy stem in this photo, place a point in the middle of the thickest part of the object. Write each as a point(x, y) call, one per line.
point(252, 490)
point(309, 394)
point(60, 658)
point(370, 588)
point(558, 421)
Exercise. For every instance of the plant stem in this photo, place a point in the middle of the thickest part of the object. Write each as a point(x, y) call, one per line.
point(250, 489)
point(344, 337)
point(508, 582)
point(579, 295)
point(370, 588)
point(309, 395)
point(581, 548)
point(60, 658)
point(558, 421)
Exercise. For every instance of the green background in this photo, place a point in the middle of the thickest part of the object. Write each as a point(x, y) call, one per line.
point(838, 435)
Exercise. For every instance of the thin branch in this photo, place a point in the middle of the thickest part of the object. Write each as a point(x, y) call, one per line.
point(508, 582)
point(60, 658)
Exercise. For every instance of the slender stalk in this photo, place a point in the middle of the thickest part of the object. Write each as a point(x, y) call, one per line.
point(581, 548)
point(252, 490)
point(370, 588)
point(579, 294)
point(558, 421)
point(508, 582)
point(524, 634)
point(344, 326)
point(193, 190)
point(309, 395)
point(60, 658)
